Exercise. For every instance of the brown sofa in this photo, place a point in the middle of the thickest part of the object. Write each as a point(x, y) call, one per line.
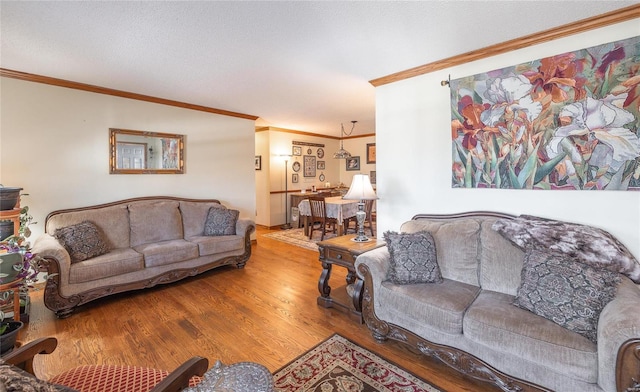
point(469, 321)
point(150, 240)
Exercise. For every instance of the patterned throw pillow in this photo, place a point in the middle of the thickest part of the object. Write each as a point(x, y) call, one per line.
point(569, 293)
point(83, 241)
point(582, 243)
point(413, 258)
point(221, 221)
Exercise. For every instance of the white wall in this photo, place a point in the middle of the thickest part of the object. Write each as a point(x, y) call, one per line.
point(54, 142)
point(414, 153)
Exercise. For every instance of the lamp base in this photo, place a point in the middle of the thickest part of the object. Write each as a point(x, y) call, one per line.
point(363, 238)
point(285, 226)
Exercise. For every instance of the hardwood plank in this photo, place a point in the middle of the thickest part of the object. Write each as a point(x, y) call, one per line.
point(264, 313)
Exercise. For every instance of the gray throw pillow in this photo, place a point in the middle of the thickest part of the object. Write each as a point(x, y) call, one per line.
point(569, 293)
point(221, 221)
point(413, 258)
point(586, 244)
point(83, 241)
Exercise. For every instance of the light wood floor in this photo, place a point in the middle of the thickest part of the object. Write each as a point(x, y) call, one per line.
point(264, 313)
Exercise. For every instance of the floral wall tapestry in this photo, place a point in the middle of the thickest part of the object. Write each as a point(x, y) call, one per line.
point(568, 121)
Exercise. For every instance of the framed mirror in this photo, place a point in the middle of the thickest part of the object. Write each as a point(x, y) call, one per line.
point(140, 152)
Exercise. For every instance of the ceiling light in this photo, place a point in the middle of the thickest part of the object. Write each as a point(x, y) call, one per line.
point(342, 153)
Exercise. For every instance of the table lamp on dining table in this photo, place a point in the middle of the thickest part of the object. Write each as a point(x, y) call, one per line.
point(361, 190)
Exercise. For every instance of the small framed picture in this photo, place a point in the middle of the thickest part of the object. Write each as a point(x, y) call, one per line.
point(320, 153)
point(353, 163)
point(294, 178)
point(371, 153)
point(372, 177)
point(309, 168)
point(258, 162)
point(320, 165)
point(297, 150)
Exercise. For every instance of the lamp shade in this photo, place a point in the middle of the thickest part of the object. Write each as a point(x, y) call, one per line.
point(360, 189)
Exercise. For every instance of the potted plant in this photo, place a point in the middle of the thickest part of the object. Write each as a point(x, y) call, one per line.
point(19, 268)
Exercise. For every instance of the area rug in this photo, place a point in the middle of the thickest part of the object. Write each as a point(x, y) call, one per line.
point(339, 365)
point(297, 237)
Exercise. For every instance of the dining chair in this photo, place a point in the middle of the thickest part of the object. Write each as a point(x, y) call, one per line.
point(319, 217)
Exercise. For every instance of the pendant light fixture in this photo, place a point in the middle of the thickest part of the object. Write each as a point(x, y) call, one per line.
point(342, 153)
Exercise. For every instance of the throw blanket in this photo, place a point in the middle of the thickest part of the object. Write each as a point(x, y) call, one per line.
point(582, 243)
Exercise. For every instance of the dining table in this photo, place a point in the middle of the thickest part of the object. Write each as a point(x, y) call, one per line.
point(337, 208)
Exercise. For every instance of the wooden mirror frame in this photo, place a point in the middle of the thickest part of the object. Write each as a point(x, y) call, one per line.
point(113, 148)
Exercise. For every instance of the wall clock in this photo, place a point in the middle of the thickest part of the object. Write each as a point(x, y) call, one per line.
point(296, 166)
point(320, 153)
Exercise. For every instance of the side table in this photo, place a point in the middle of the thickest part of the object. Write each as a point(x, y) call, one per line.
point(342, 251)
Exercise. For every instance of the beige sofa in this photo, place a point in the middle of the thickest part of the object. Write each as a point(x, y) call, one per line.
point(150, 241)
point(469, 322)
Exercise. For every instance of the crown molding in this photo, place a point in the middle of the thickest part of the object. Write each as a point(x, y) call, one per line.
point(580, 26)
point(8, 73)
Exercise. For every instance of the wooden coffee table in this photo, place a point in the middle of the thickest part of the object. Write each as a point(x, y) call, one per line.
point(342, 251)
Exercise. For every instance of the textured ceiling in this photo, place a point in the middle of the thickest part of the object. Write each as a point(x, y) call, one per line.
point(297, 65)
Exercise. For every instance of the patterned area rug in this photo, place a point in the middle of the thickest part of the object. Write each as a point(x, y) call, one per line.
point(297, 237)
point(339, 365)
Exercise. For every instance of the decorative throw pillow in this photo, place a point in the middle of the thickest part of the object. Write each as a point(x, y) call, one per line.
point(221, 221)
point(569, 293)
point(586, 244)
point(413, 258)
point(83, 241)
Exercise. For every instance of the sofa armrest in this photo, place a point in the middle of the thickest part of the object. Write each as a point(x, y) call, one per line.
point(245, 227)
point(377, 261)
point(47, 247)
point(619, 340)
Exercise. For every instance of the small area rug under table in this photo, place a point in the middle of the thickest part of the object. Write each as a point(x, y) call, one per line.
point(339, 365)
point(297, 237)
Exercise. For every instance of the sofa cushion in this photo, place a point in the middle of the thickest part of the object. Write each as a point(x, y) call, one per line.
point(443, 305)
point(221, 221)
point(116, 262)
point(112, 221)
point(83, 241)
point(167, 252)
point(567, 292)
point(412, 258)
point(154, 221)
point(457, 246)
point(495, 323)
point(12, 379)
point(501, 261)
point(582, 243)
point(194, 215)
point(210, 245)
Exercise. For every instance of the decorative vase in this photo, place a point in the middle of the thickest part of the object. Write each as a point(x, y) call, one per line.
point(10, 336)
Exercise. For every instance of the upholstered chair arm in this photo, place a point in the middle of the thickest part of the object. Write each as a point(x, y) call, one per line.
point(178, 379)
point(242, 225)
point(619, 340)
point(22, 357)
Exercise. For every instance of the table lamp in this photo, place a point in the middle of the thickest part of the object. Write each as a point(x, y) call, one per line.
point(362, 190)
